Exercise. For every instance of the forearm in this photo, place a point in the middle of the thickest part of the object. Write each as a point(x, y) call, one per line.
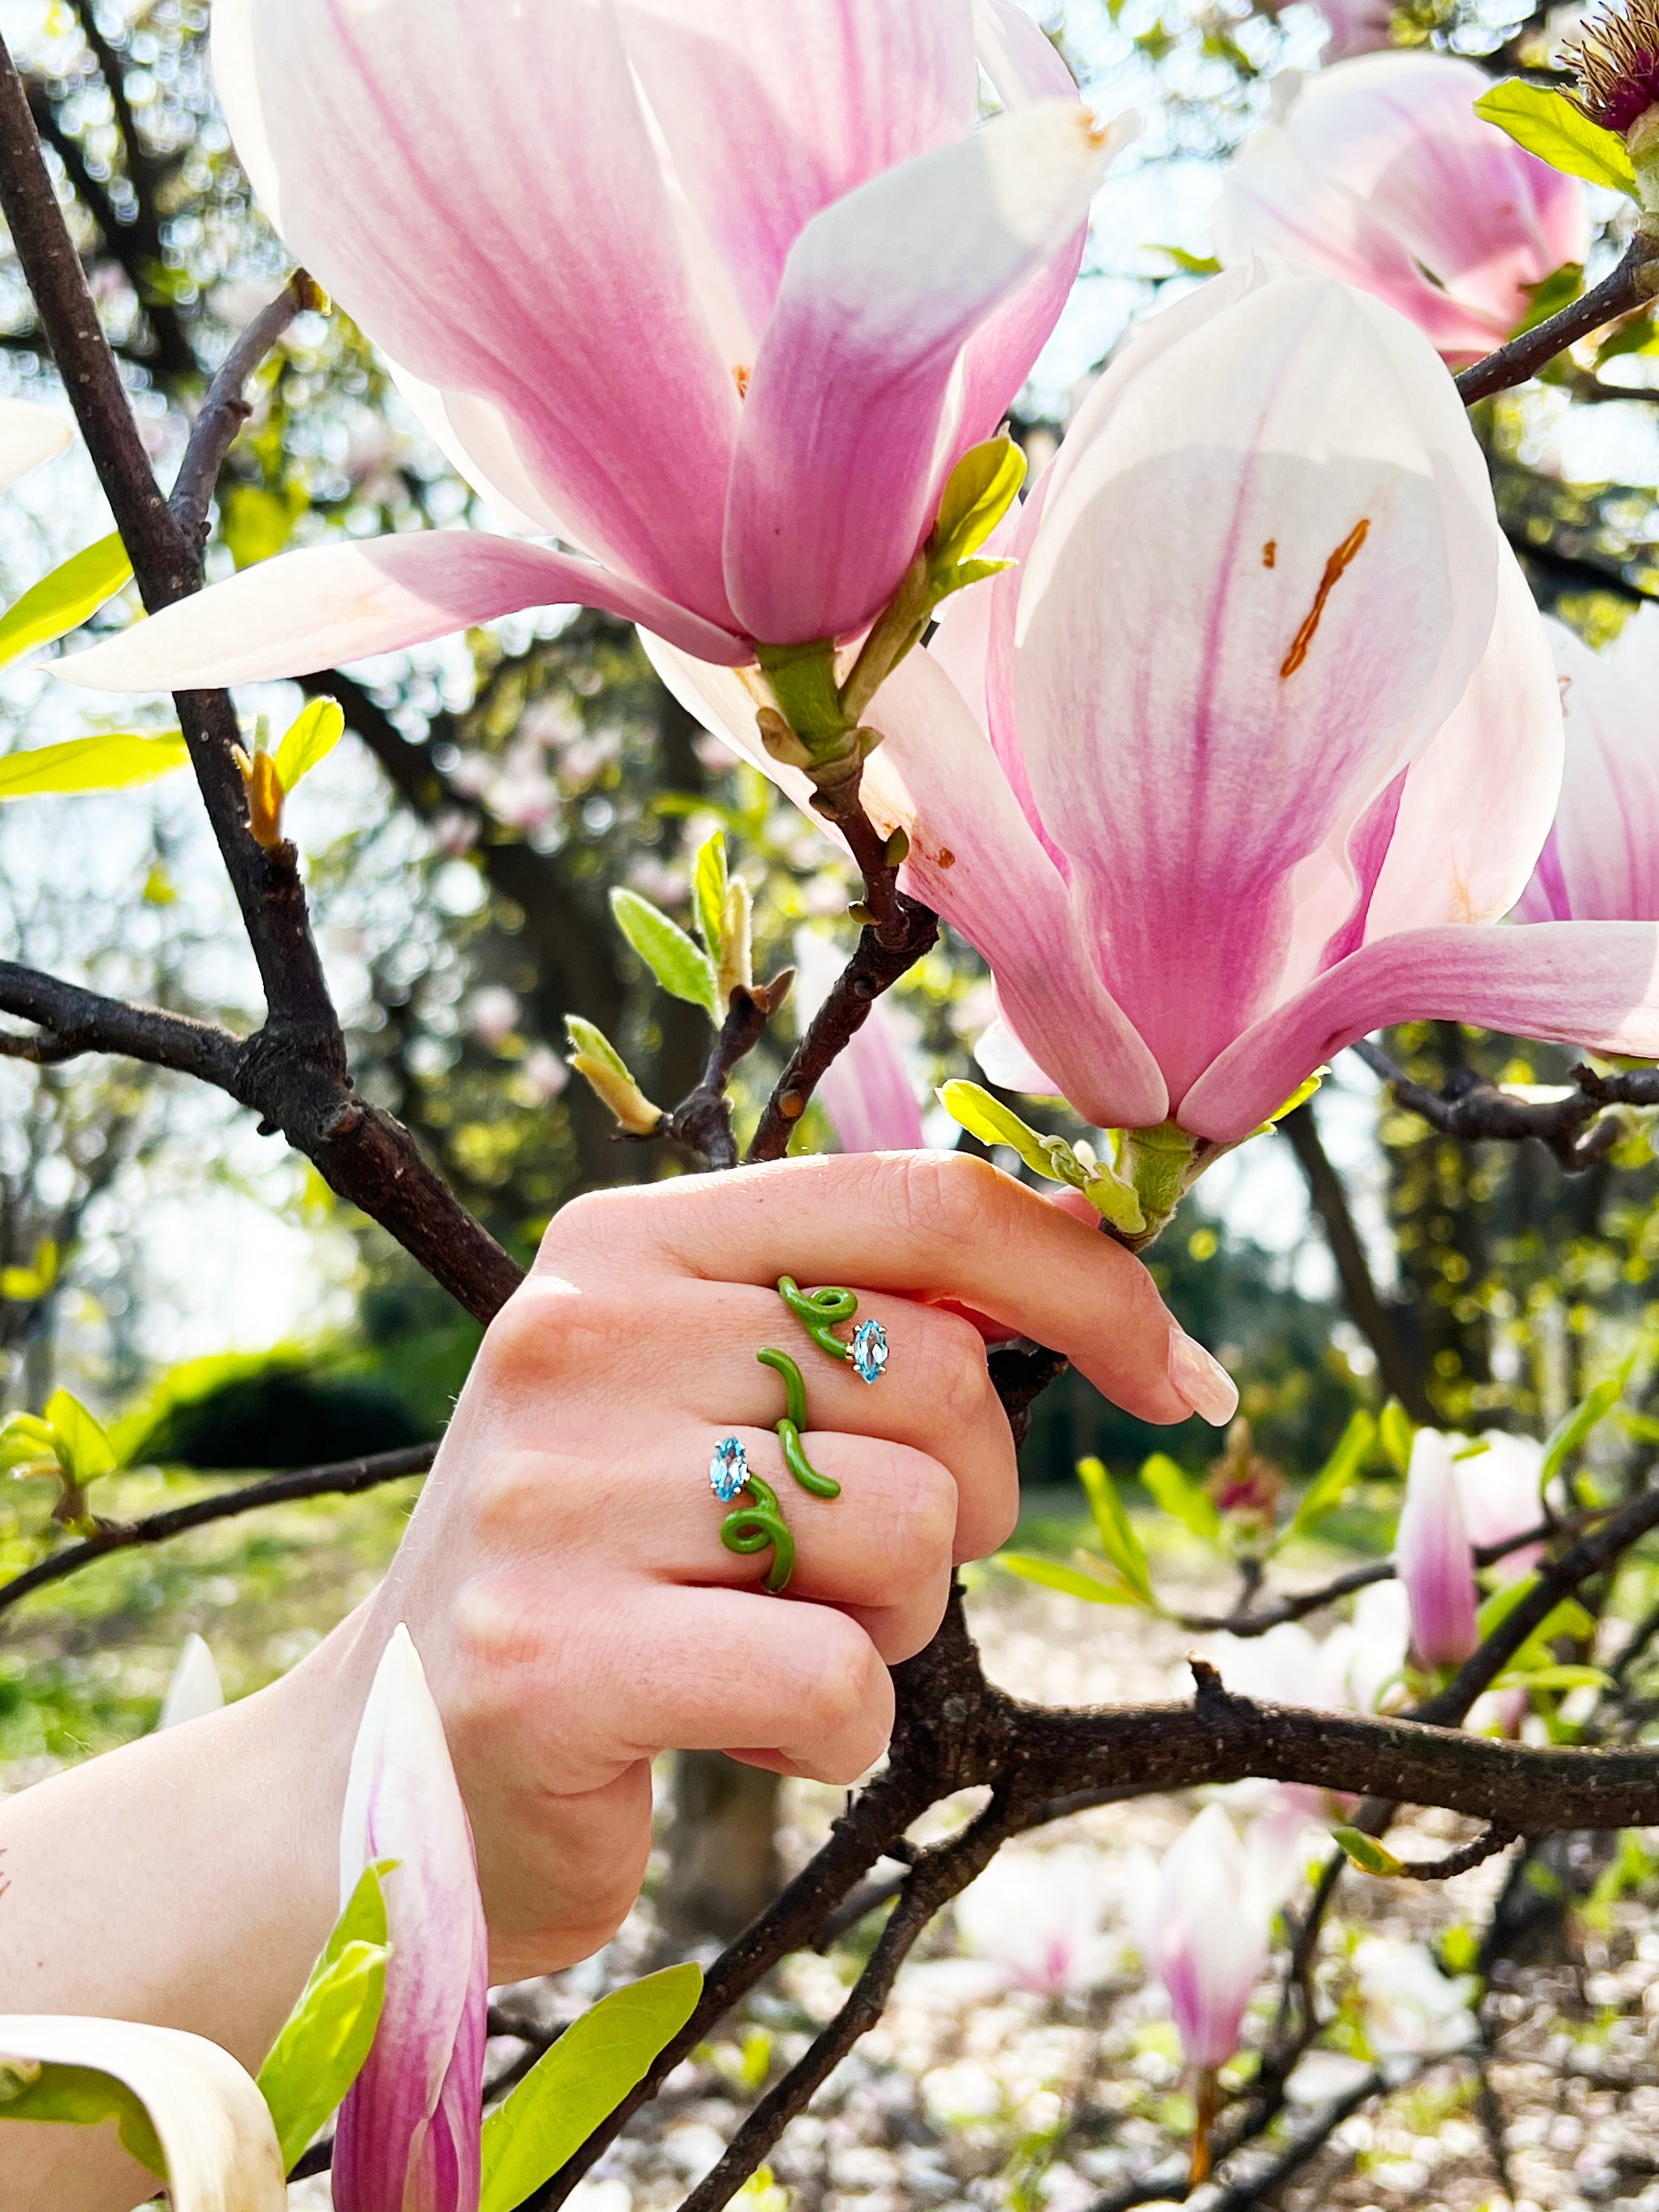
point(188, 1879)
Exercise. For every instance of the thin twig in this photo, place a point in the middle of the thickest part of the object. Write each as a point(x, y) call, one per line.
point(1486, 1846)
point(342, 1478)
point(1631, 285)
point(225, 409)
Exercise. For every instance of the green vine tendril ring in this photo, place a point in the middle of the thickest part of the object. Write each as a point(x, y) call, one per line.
point(756, 1526)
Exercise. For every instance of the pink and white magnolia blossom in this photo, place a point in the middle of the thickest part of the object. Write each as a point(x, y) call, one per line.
point(1034, 1916)
point(1499, 1490)
point(1600, 859)
point(408, 2135)
point(1379, 172)
point(1433, 1558)
point(29, 435)
point(1237, 762)
point(1202, 1916)
point(1356, 26)
point(868, 1091)
point(718, 295)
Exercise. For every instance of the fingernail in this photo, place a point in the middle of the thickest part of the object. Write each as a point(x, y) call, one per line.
point(1201, 1382)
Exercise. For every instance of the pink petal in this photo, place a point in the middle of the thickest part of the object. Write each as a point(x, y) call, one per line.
point(1005, 1060)
point(1601, 863)
point(1478, 802)
point(1433, 1558)
point(491, 208)
point(406, 2127)
point(855, 411)
point(1593, 984)
point(1023, 63)
point(1383, 174)
point(771, 114)
point(1191, 732)
point(341, 603)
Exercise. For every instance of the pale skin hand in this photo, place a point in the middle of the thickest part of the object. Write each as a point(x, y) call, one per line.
point(564, 1582)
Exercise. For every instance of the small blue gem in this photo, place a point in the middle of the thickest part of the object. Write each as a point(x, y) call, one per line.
point(869, 1350)
point(728, 1469)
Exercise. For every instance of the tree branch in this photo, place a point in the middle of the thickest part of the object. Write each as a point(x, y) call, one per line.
point(1473, 1110)
point(224, 411)
point(1631, 285)
point(1366, 1307)
point(73, 1021)
point(342, 1477)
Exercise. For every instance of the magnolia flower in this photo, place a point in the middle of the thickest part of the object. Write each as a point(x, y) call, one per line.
point(1036, 1915)
point(866, 1091)
point(718, 294)
point(1232, 766)
point(1433, 1556)
point(1202, 1917)
point(1409, 2005)
point(1379, 172)
point(1600, 859)
point(195, 1688)
point(1500, 1493)
point(28, 436)
point(408, 2136)
point(209, 2119)
point(1366, 1654)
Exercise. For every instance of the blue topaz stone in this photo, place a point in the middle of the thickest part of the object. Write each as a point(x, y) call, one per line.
point(869, 1350)
point(728, 1469)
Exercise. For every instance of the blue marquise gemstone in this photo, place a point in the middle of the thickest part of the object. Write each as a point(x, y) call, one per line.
point(728, 1469)
point(869, 1350)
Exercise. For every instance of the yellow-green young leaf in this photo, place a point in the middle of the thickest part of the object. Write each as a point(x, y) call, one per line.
point(1304, 1092)
point(1076, 1582)
point(1549, 125)
point(320, 2048)
point(1557, 1675)
point(586, 2075)
point(110, 763)
point(62, 601)
point(1395, 1430)
point(984, 484)
point(83, 1443)
point(593, 1045)
point(27, 1441)
point(1497, 1608)
point(256, 523)
point(1550, 294)
point(673, 957)
point(311, 737)
point(1365, 1852)
point(1179, 1495)
point(1569, 1433)
point(1117, 1539)
point(1337, 1477)
point(993, 1123)
point(709, 887)
point(1193, 265)
point(79, 2096)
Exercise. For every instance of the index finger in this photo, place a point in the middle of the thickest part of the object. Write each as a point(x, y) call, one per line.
point(932, 1226)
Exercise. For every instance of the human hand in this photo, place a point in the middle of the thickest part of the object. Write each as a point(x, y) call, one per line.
point(563, 1576)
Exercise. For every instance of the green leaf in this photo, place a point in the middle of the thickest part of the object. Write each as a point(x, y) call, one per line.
point(1365, 1852)
point(81, 2097)
point(1336, 1478)
point(673, 957)
point(1557, 1675)
point(585, 2074)
point(1195, 264)
point(594, 1044)
point(82, 1442)
point(1570, 1432)
point(993, 1123)
point(1549, 125)
point(1180, 1497)
point(1395, 1430)
point(25, 1441)
point(1117, 1539)
point(1637, 334)
point(708, 891)
point(321, 2047)
point(1076, 1582)
point(1550, 294)
point(255, 523)
point(1497, 1609)
point(984, 484)
point(1304, 1092)
point(107, 764)
point(311, 737)
point(62, 601)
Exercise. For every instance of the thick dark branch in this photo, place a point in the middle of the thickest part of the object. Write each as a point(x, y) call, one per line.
point(1473, 1110)
point(702, 1122)
point(73, 1021)
point(343, 1478)
point(1369, 1314)
point(225, 409)
point(1631, 285)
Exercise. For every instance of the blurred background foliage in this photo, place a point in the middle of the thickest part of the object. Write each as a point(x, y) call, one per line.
point(460, 852)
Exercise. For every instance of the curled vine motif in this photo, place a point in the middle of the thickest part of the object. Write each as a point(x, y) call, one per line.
point(751, 1527)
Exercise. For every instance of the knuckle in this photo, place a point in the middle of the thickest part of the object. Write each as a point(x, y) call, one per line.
point(923, 1498)
point(849, 1689)
point(938, 1196)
